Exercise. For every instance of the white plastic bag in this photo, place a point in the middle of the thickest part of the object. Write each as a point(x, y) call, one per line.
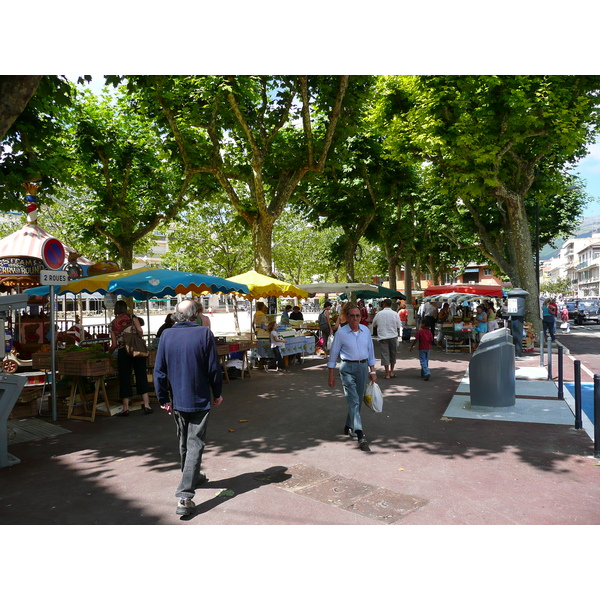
point(329, 341)
point(373, 397)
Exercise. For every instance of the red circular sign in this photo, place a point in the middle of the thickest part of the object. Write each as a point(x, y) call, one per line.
point(53, 253)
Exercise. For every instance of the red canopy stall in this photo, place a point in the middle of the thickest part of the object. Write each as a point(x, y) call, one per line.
point(465, 288)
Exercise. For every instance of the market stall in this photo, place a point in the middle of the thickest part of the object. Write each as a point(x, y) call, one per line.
point(262, 286)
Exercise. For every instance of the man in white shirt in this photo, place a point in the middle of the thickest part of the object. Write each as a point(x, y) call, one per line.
point(353, 345)
point(389, 327)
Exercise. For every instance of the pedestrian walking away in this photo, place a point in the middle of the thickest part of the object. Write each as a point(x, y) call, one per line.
point(549, 314)
point(424, 338)
point(353, 345)
point(388, 328)
point(186, 371)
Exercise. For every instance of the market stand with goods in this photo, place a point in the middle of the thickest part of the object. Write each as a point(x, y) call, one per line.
point(297, 344)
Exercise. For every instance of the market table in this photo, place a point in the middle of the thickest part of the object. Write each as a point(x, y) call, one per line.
point(224, 349)
point(293, 345)
point(97, 370)
point(455, 341)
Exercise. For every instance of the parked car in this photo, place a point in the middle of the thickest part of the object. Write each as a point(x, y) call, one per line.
point(587, 310)
point(572, 307)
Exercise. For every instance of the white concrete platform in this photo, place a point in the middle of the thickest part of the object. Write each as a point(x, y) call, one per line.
point(536, 401)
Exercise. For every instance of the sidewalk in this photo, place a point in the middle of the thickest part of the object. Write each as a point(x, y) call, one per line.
point(276, 455)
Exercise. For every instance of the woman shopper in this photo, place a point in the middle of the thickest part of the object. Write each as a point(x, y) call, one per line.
point(127, 363)
point(549, 319)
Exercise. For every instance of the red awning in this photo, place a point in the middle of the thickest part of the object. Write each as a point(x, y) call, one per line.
point(465, 288)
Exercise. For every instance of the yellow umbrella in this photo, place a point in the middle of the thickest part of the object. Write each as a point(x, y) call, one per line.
point(261, 286)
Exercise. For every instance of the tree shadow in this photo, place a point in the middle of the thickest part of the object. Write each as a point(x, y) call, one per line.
point(235, 486)
point(104, 472)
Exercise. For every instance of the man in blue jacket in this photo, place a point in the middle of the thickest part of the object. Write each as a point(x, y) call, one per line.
point(187, 369)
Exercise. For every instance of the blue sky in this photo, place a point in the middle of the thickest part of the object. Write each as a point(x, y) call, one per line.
point(589, 170)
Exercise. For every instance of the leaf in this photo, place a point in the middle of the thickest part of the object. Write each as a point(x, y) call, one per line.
point(231, 430)
point(243, 420)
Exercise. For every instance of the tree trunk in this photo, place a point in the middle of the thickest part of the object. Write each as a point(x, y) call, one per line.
point(262, 235)
point(15, 93)
point(408, 281)
point(524, 259)
point(349, 260)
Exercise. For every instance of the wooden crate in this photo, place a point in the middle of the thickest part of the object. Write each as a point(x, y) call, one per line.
point(85, 368)
point(41, 360)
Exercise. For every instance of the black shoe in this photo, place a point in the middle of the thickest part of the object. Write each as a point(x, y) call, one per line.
point(364, 445)
point(349, 431)
point(202, 479)
point(123, 413)
point(147, 410)
point(426, 378)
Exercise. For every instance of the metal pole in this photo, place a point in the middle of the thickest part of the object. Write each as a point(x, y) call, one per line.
point(541, 348)
point(561, 394)
point(577, 366)
point(550, 359)
point(53, 354)
point(597, 416)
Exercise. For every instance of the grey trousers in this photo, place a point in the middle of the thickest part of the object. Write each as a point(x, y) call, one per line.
point(387, 348)
point(191, 431)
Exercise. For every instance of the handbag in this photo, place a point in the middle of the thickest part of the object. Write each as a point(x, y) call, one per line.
point(373, 397)
point(134, 344)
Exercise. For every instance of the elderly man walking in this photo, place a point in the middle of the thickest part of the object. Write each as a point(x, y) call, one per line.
point(187, 368)
point(353, 345)
point(389, 327)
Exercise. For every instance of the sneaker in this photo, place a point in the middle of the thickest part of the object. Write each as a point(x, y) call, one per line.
point(185, 506)
point(349, 431)
point(364, 445)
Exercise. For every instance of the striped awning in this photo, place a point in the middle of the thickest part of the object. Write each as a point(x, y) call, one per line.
point(28, 242)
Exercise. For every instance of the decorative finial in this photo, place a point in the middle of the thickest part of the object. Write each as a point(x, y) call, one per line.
point(31, 197)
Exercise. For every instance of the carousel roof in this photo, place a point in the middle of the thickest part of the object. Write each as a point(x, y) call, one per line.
point(28, 242)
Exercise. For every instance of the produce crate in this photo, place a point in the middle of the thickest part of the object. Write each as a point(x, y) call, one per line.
point(41, 360)
point(151, 358)
point(84, 368)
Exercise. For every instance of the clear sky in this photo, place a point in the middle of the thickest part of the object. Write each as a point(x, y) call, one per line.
point(589, 170)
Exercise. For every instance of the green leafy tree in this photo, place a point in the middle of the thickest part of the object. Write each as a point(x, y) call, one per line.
point(347, 195)
point(560, 286)
point(208, 237)
point(258, 136)
point(301, 248)
point(123, 184)
point(33, 147)
point(500, 145)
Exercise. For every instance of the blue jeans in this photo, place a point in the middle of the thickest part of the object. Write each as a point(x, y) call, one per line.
point(424, 360)
point(549, 324)
point(354, 378)
point(191, 431)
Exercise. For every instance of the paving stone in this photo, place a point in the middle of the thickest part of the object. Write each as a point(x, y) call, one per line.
point(303, 476)
point(386, 505)
point(339, 491)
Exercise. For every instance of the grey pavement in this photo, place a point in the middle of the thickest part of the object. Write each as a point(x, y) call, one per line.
point(276, 455)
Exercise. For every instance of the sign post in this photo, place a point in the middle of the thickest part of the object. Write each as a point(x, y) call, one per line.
point(53, 278)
